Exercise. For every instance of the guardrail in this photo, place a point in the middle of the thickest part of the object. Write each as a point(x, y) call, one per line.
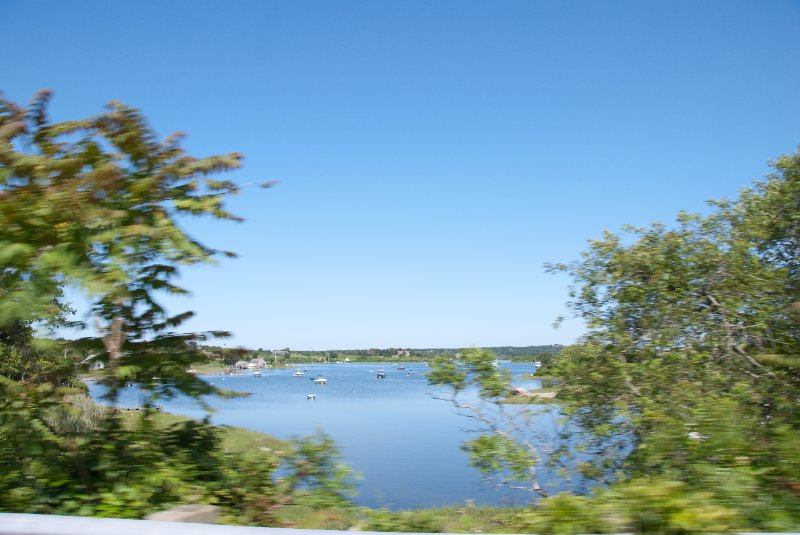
point(27, 524)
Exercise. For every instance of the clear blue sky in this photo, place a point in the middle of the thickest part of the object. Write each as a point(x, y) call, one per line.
point(432, 154)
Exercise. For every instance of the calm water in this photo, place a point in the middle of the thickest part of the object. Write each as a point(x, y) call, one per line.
point(403, 442)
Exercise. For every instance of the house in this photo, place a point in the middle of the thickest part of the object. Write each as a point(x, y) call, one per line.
point(241, 364)
point(257, 363)
point(92, 362)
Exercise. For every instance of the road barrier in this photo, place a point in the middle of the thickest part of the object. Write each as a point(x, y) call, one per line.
point(26, 524)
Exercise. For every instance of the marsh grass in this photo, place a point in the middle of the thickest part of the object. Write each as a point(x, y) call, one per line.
point(77, 414)
point(211, 367)
point(305, 517)
point(451, 519)
point(236, 440)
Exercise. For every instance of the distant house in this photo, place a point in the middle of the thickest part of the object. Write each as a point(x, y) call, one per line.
point(92, 362)
point(257, 363)
point(241, 364)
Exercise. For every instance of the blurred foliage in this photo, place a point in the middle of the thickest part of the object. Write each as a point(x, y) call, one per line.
point(508, 447)
point(689, 370)
point(682, 402)
point(648, 505)
point(404, 521)
point(96, 204)
point(62, 454)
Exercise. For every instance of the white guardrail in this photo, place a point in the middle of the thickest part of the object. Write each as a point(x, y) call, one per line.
point(26, 524)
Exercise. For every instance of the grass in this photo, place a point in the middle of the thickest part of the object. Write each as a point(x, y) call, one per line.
point(213, 366)
point(237, 440)
point(244, 441)
point(305, 517)
point(451, 519)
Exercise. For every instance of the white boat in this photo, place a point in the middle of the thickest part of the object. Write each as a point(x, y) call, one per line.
point(298, 373)
point(256, 373)
point(320, 380)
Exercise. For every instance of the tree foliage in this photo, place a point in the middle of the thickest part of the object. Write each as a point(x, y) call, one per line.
point(97, 204)
point(682, 402)
point(691, 367)
point(62, 454)
point(510, 447)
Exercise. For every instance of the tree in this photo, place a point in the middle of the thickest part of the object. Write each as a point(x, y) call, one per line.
point(691, 367)
point(97, 203)
point(511, 446)
point(687, 383)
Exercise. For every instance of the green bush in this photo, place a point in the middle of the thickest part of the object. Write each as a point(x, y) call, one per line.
point(65, 455)
point(648, 505)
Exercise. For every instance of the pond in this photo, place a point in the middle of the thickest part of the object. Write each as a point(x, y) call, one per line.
point(403, 442)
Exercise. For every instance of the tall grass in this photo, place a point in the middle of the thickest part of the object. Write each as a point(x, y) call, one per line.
point(78, 414)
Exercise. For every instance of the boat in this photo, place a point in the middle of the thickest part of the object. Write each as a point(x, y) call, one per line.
point(298, 373)
point(320, 380)
point(256, 373)
point(381, 374)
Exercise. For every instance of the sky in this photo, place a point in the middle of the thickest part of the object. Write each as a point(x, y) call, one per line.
point(432, 155)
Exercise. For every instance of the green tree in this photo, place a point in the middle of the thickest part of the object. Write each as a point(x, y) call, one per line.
point(682, 399)
point(97, 204)
point(510, 447)
point(690, 367)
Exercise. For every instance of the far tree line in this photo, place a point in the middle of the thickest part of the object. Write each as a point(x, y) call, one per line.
point(230, 355)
